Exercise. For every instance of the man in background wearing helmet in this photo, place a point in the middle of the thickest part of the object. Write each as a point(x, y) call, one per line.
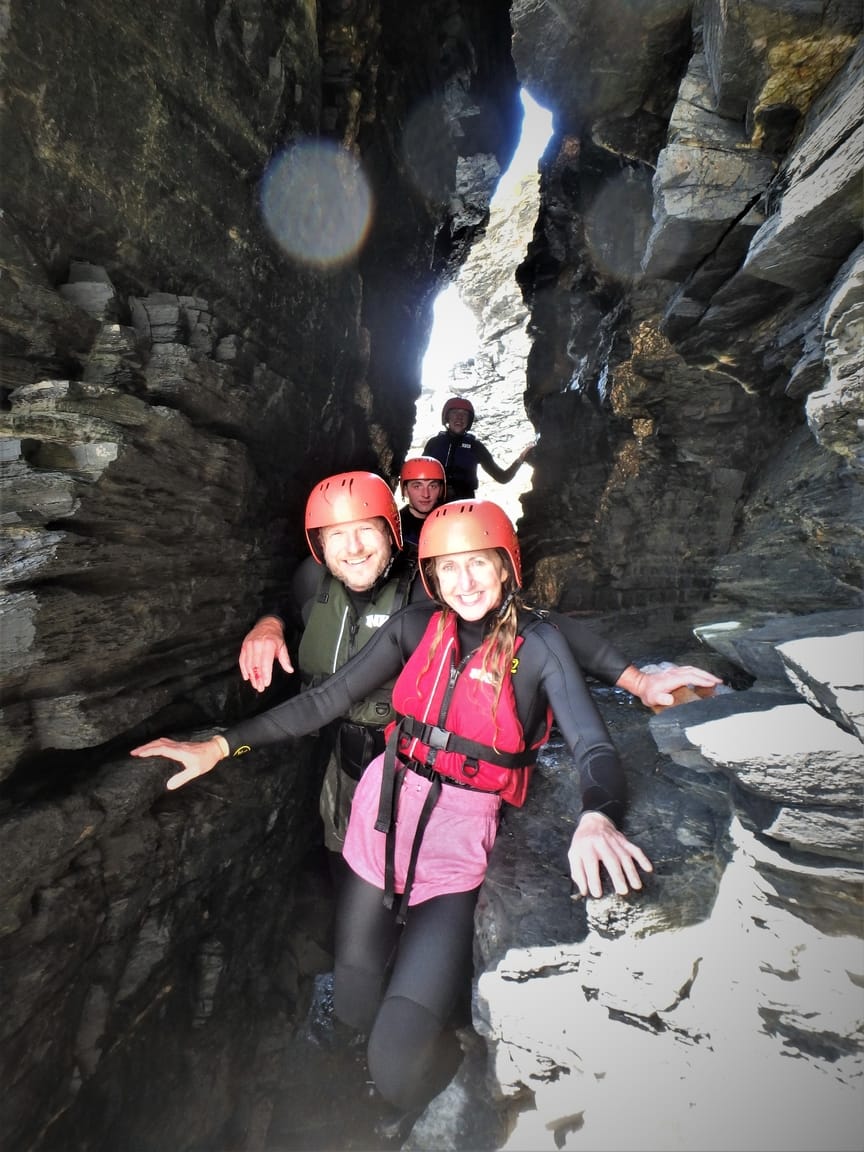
point(461, 453)
point(354, 580)
point(423, 485)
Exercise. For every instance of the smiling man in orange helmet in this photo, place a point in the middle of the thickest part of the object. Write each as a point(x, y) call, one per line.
point(354, 580)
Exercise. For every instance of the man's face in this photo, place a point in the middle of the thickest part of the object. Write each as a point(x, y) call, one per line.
point(357, 552)
point(457, 419)
point(423, 495)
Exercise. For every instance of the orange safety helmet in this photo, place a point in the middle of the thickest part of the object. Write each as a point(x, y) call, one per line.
point(349, 496)
point(423, 468)
point(468, 526)
point(462, 404)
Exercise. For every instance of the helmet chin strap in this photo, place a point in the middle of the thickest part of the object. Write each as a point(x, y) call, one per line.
point(383, 577)
point(505, 604)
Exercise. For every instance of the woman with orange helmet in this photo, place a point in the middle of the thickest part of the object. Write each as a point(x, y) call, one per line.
point(461, 453)
point(479, 679)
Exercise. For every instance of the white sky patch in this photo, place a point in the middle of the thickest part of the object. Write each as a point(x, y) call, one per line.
point(454, 333)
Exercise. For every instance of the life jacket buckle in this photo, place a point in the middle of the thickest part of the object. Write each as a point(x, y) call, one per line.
point(435, 737)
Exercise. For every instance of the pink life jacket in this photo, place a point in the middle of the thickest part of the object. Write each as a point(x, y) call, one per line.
point(447, 721)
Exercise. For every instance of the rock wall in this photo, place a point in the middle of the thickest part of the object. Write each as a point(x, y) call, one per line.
point(721, 1003)
point(686, 281)
point(175, 378)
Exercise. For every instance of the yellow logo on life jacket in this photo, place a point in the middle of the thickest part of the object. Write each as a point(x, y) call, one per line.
point(514, 665)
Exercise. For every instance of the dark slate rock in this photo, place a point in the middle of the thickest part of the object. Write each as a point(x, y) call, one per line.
point(820, 224)
point(828, 671)
point(704, 151)
point(788, 753)
point(754, 648)
point(669, 727)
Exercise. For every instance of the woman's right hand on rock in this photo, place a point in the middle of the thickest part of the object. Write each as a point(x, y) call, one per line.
point(197, 757)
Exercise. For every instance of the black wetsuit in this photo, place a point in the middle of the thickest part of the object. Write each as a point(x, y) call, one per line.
point(411, 526)
point(461, 454)
point(548, 673)
point(402, 983)
point(594, 655)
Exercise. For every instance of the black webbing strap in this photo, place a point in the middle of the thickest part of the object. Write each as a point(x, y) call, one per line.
point(391, 782)
point(390, 848)
point(387, 798)
point(442, 739)
point(324, 587)
point(425, 813)
point(403, 587)
point(392, 775)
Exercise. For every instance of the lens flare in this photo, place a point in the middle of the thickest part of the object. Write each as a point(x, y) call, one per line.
point(616, 225)
point(428, 152)
point(316, 202)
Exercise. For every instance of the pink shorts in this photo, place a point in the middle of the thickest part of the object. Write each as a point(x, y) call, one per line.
point(456, 844)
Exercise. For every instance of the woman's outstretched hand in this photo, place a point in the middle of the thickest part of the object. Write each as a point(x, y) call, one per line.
point(597, 841)
point(197, 757)
point(655, 689)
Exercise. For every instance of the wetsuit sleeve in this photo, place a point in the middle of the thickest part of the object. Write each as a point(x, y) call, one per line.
point(484, 459)
point(304, 588)
point(548, 673)
point(379, 660)
point(591, 652)
point(437, 447)
point(419, 595)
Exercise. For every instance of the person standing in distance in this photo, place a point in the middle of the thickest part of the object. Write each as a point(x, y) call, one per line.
point(461, 453)
point(423, 485)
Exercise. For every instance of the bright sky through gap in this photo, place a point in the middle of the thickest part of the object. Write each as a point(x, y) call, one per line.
point(536, 130)
point(454, 332)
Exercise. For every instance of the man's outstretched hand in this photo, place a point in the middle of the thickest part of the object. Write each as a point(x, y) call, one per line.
point(263, 646)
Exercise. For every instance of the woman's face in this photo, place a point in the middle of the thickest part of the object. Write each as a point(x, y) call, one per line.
point(471, 583)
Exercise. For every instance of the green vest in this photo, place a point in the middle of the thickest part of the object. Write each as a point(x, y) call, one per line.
point(335, 633)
